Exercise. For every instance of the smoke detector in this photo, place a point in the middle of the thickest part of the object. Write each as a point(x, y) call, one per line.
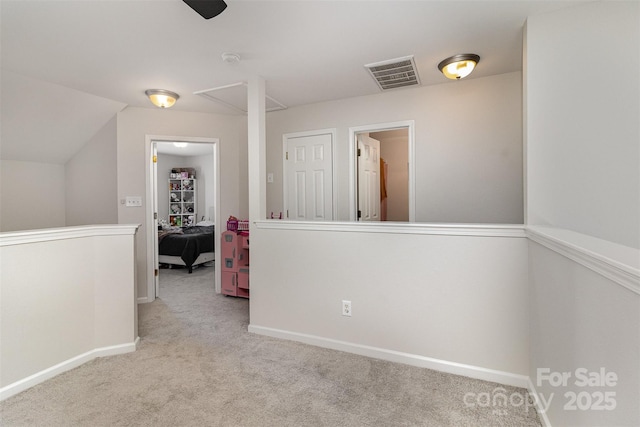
point(394, 73)
point(230, 57)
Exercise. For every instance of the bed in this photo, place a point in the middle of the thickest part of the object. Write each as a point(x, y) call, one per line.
point(187, 246)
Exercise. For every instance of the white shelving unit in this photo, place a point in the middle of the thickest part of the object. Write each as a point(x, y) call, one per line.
point(182, 202)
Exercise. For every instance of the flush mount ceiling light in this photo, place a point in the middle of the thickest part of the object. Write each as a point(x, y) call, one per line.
point(162, 98)
point(459, 66)
point(180, 144)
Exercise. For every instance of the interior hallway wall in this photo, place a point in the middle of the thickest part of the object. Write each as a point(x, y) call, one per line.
point(32, 195)
point(135, 123)
point(90, 180)
point(472, 175)
point(583, 153)
point(583, 181)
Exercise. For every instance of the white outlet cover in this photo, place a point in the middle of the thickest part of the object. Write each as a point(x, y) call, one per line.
point(346, 308)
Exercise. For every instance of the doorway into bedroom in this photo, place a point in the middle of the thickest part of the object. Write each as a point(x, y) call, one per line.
point(184, 187)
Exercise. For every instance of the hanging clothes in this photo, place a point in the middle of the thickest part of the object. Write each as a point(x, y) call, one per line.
point(383, 189)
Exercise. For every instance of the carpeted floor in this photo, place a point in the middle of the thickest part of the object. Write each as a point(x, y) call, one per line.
point(198, 366)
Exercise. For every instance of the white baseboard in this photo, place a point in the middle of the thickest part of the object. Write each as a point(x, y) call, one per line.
point(471, 371)
point(143, 300)
point(536, 399)
point(74, 362)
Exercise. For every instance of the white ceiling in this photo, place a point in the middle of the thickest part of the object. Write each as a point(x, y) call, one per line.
point(68, 64)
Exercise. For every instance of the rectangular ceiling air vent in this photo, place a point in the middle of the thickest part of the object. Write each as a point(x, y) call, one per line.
point(394, 73)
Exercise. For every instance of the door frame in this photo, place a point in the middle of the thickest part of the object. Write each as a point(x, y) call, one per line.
point(353, 163)
point(285, 189)
point(152, 195)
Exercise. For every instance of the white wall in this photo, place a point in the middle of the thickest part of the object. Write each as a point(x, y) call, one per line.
point(468, 146)
point(433, 298)
point(243, 174)
point(90, 180)
point(583, 150)
point(82, 191)
point(135, 123)
point(78, 304)
point(394, 149)
point(583, 174)
point(581, 319)
point(204, 166)
point(32, 195)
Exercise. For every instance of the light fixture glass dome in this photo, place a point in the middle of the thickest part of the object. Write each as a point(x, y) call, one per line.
point(459, 66)
point(162, 98)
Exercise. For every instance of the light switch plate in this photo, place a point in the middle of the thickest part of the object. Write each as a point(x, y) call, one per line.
point(133, 201)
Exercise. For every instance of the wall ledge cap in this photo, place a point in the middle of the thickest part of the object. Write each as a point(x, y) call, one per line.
point(11, 238)
point(616, 262)
point(483, 230)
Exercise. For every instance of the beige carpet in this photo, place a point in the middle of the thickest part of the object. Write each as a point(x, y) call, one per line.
point(198, 366)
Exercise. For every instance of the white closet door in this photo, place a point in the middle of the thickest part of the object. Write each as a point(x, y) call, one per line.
point(309, 177)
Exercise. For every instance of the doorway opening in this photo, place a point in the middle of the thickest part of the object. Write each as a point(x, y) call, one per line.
point(382, 172)
point(183, 190)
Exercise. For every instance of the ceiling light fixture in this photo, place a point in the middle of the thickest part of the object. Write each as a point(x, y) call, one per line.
point(459, 66)
point(180, 144)
point(162, 98)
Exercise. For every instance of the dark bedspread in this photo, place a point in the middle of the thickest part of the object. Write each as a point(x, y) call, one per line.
point(189, 244)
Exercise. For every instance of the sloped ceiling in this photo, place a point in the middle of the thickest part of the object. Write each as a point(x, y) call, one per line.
point(46, 122)
point(107, 52)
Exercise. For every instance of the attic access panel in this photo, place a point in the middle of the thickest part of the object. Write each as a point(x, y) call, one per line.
point(234, 96)
point(394, 73)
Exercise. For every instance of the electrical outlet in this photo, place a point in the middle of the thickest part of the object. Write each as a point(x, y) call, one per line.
point(346, 308)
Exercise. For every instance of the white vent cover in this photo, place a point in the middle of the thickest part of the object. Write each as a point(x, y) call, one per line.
point(394, 73)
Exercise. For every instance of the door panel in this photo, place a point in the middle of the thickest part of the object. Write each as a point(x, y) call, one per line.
point(318, 193)
point(300, 195)
point(309, 182)
point(368, 178)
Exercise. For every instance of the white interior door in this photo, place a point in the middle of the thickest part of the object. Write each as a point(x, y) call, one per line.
point(309, 177)
point(368, 178)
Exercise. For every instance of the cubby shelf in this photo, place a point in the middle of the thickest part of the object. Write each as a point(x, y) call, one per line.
point(182, 202)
